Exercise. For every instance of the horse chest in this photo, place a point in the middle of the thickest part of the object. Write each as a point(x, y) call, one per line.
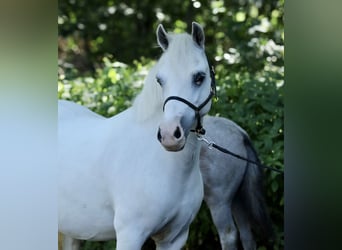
point(155, 188)
point(164, 188)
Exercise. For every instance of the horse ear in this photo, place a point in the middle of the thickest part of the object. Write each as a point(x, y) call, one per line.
point(198, 34)
point(162, 37)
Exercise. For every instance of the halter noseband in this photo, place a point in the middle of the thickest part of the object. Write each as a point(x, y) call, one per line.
point(199, 128)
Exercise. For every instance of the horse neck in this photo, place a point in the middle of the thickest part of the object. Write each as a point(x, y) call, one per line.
point(191, 151)
point(190, 159)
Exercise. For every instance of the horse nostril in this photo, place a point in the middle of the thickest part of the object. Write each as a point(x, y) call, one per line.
point(159, 135)
point(177, 133)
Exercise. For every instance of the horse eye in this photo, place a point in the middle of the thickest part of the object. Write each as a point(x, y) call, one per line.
point(159, 80)
point(198, 78)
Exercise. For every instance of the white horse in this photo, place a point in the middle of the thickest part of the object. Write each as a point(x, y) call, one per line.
point(116, 181)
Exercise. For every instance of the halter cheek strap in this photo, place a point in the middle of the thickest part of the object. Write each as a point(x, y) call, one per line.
point(199, 128)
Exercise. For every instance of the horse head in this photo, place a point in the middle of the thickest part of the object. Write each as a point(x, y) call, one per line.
point(186, 80)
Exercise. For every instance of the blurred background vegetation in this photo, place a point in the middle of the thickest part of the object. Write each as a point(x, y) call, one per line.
point(106, 47)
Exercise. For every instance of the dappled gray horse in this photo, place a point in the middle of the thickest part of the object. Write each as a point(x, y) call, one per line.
point(232, 187)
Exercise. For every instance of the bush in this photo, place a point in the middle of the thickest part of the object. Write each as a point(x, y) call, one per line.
point(111, 90)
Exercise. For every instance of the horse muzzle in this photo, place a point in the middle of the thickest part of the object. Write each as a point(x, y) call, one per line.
point(171, 135)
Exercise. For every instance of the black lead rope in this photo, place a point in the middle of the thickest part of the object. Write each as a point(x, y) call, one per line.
point(226, 151)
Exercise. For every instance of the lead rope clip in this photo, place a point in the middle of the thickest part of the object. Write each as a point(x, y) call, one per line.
point(204, 139)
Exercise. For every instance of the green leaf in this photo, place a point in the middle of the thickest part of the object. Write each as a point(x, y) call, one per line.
point(113, 75)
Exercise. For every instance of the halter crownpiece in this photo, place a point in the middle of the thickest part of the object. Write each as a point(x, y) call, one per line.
point(212, 77)
point(199, 128)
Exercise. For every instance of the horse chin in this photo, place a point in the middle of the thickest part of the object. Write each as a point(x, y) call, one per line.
point(175, 147)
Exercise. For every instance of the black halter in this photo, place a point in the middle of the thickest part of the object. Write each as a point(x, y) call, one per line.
point(199, 128)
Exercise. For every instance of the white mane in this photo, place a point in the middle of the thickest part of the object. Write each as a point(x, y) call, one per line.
point(149, 102)
point(150, 99)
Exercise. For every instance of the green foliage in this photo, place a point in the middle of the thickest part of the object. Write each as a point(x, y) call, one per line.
point(111, 90)
point(103, 46)
point(235, 30)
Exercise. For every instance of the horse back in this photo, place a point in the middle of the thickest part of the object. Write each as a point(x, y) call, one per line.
point(68, 110)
